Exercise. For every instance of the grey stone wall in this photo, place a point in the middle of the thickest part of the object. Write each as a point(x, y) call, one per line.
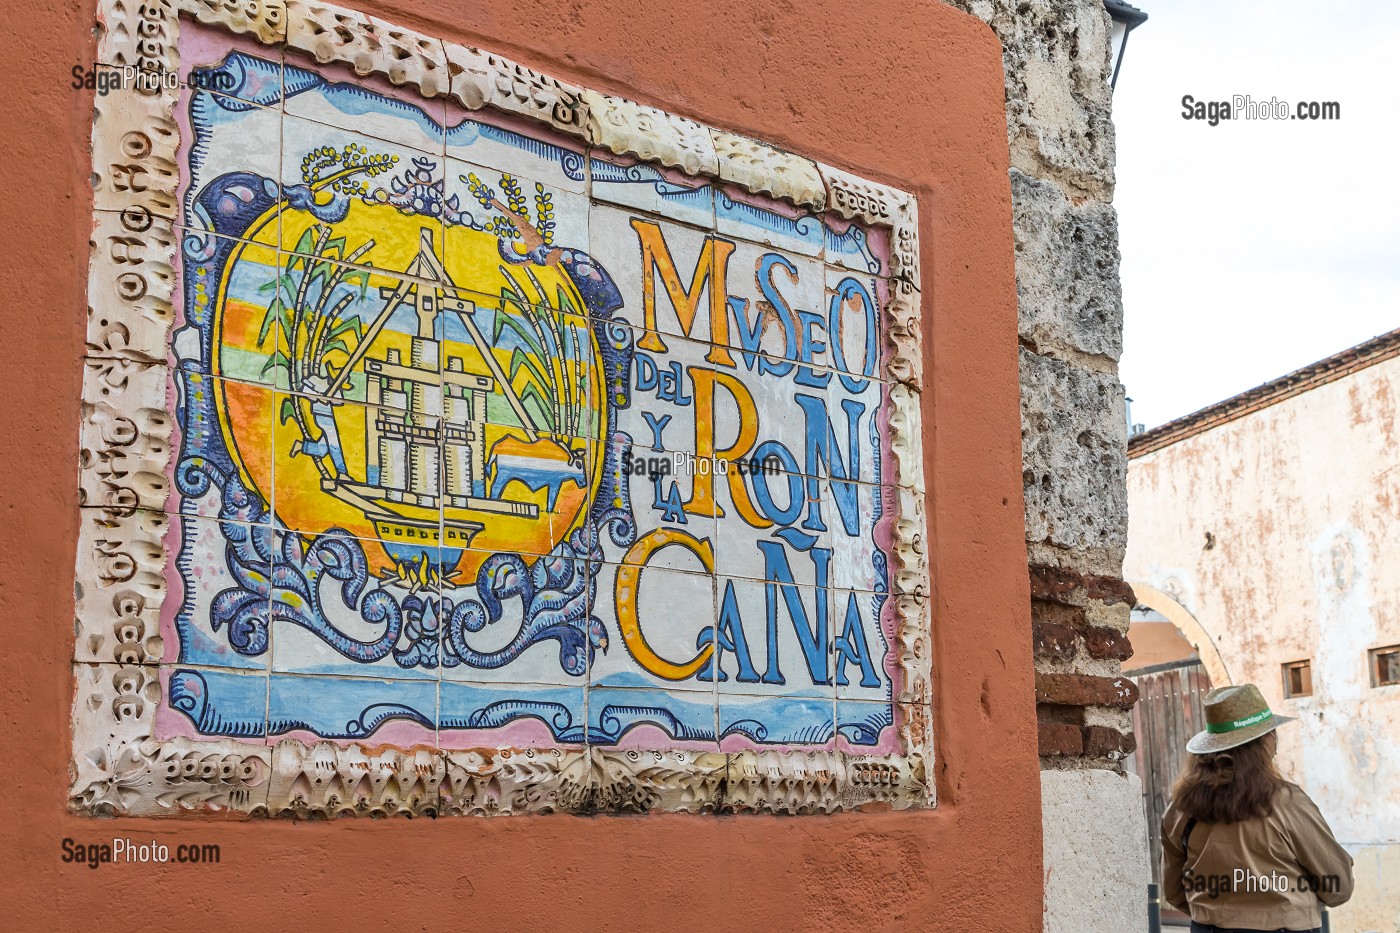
point(1073, 423)
point(1074, 454)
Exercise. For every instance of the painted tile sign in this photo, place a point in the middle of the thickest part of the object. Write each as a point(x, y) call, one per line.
point(484, 437)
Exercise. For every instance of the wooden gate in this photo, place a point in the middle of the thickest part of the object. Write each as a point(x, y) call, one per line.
point(1167, 714)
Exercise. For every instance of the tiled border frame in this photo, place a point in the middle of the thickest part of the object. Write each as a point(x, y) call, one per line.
point(118, 766)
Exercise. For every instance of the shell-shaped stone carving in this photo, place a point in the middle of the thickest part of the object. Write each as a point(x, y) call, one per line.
point(124, 436)
point(265, 20)
point(130, 280)
point(140, 33)
point(482, 79)
point(134, 142)
point(760, 167)
point(628, 128)
point(368, 45)
point(121, 585)
point(858, 198)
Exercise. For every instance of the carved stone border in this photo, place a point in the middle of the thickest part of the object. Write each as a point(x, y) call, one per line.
point(118, 766)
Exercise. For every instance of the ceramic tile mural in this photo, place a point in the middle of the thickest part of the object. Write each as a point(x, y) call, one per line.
point(575, 432)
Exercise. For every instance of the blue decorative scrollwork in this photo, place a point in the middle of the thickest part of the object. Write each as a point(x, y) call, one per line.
point(556, 595)
point(853, 244)
point(556, 716)
point(191, 693)
point(297, 585)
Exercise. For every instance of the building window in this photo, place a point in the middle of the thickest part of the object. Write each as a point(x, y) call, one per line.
point(1385, 666)
point(1297, 679)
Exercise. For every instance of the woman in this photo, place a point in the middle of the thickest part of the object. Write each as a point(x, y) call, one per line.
point(1243, 850)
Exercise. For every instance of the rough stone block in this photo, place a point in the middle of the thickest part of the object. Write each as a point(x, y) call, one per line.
point(1103, 561)
point(1070, 588)
point(1120, 720)
point(1074, 438)
point(1067, 284)
point(1055, 640)
point(1095, 857)
point(1058, 101)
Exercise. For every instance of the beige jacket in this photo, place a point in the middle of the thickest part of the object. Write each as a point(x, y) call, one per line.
point(1268, 873)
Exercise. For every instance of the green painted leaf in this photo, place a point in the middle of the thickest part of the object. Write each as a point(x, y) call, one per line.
point(525, 333)
point(277, 359)
point(349, 325)
point(544, 411)
point(360, 278)
point(519, 359)
point(274, 308)
point(305, 243)
point(511, 296)
point(565, 302)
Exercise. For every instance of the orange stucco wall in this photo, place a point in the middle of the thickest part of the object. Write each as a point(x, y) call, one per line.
point(905, 91)
point(1156, 643)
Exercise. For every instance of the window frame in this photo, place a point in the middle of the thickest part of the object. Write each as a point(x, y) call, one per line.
point(1288, 668)
point(1373, 658)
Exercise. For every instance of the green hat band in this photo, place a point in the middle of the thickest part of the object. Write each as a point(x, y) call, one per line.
point(1239, 723)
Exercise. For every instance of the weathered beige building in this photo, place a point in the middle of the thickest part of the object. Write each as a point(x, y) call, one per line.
point(1267, 528)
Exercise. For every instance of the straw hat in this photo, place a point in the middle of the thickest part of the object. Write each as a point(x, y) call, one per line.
point(1234, 716)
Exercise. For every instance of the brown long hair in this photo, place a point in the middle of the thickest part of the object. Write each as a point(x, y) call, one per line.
point(1230, 786)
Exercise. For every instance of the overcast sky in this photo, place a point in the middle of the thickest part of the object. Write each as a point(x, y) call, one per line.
point(1253, 248)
